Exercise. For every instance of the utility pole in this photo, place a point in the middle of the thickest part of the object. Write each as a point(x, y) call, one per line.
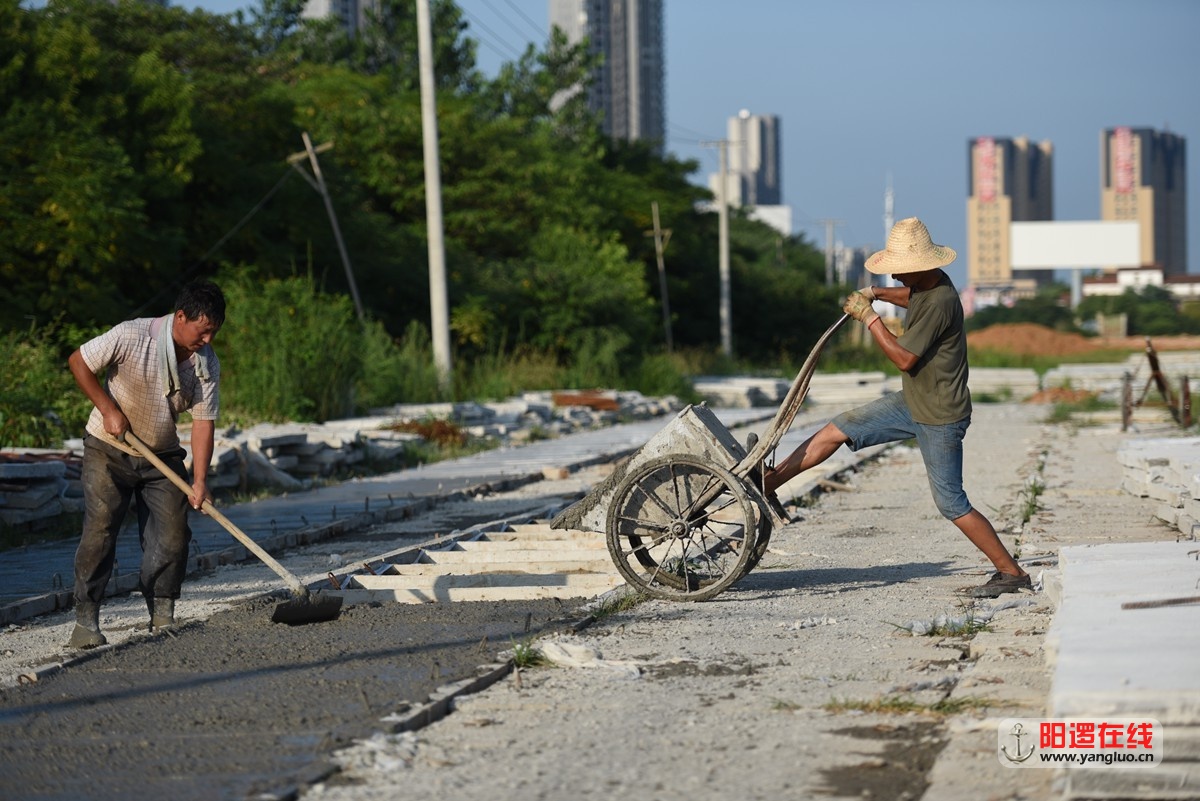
point(438, 304)
point(723, 239)
point(829, 226)
point(661, 238)
point(310, 153)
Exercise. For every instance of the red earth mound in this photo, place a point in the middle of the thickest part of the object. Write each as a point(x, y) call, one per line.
point(1030, 338)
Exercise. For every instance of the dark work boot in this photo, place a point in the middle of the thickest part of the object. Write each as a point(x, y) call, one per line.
point(162, 612)
point(86, 633)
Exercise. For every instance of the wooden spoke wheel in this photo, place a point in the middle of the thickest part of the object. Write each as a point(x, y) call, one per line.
point(680, 528)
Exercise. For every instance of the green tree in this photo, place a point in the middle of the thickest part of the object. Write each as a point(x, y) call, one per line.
point(1048, 307)
point(1151, 311)
point(94, 138)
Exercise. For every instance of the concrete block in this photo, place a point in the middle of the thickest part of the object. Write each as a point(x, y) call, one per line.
point(22, 517)
point(36, 494)
point(1100, 649)
point(28, 471)
point(1161, 783)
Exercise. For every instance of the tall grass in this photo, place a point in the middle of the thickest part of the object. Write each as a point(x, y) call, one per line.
point(40, 404)
point(287, 350)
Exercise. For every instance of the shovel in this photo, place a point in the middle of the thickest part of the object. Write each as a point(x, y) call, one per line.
point(304, 607)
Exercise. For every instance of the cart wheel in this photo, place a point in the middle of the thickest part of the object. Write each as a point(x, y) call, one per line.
point(681, 529)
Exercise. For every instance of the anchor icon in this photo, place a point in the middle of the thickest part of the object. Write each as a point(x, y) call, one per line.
point(1018, 731)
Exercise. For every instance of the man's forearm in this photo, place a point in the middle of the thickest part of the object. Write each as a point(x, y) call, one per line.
point(891, 347)
point(895, 295)
point(202, 449)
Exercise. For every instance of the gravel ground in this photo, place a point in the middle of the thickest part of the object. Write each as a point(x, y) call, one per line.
point(805, 679)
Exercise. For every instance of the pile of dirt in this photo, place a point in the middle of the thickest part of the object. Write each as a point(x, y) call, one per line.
point(1060, 395)
point(1025, 339)
point(1029, 338)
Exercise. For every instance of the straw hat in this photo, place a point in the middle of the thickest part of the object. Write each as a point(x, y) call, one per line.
point(910, 250)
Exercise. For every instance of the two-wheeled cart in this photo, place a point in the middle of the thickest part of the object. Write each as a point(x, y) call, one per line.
point(687, 516)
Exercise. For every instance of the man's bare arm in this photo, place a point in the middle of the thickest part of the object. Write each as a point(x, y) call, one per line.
point(115, 422)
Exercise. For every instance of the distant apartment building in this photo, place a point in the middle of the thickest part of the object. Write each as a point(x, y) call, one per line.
point(1009, 180)
point(754, 170)
point(351, 13)
point(1143, 178)
point(754, 177)
point(850, 267)
point(628, 88)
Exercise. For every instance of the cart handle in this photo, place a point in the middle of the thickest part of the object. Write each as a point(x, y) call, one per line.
point(790, 407)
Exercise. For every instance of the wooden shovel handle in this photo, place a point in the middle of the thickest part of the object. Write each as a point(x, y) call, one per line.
point(294, 583)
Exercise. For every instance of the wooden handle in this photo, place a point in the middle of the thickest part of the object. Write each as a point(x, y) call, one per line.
point(212, 511)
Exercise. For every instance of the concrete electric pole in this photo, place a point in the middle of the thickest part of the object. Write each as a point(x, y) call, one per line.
point(723, 240)
point(438, 304)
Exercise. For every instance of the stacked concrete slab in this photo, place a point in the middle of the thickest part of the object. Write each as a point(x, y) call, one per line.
point(1167, 470)
point(741, 392)
point(747, 392)
point(1108, 379)
point(850, 389)
point(854, 388)
point(38, 485)
point(35, 491)
point(1003, 383)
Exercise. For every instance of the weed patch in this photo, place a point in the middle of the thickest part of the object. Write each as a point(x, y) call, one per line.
point(622, 603)
point(897, 705)
point(527, 655)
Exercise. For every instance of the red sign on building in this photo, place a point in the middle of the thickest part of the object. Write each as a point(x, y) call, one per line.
point(1123, 161)
point(985, 169)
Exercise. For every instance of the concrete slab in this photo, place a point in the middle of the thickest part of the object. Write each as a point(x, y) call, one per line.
point(1108, 660)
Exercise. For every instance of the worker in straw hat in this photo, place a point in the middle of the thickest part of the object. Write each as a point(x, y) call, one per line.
point(934, 404)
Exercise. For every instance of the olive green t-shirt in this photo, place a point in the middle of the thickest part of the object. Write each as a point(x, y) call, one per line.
point(935, 389)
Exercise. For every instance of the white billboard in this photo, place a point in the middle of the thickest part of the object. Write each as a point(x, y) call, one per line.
point(1058, 245)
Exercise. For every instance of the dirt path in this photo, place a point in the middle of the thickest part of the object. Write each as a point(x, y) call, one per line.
point(792, 684)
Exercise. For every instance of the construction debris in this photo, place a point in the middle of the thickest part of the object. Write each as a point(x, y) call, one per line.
point(37, 487)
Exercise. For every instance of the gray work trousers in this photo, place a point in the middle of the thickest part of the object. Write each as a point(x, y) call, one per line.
point(111, 479)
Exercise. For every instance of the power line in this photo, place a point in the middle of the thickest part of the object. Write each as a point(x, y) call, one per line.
point(187, 274)
point(545, 36)
point(507, 21)
point(516, 53)
point(700, 137)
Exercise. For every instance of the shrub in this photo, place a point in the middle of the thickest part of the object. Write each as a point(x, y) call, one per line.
point(40, 404)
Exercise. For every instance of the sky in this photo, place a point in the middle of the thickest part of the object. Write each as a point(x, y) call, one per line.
point(872, 91)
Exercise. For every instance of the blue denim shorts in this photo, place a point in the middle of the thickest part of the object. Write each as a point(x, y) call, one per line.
point(888, 420)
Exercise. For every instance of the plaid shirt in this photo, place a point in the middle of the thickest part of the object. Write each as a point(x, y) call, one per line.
point(135, 380)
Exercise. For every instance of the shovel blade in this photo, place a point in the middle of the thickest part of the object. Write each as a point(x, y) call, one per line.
point(308, 609)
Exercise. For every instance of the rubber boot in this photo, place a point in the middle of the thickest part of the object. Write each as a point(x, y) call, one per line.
point(162, 612)
point(86, 633)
